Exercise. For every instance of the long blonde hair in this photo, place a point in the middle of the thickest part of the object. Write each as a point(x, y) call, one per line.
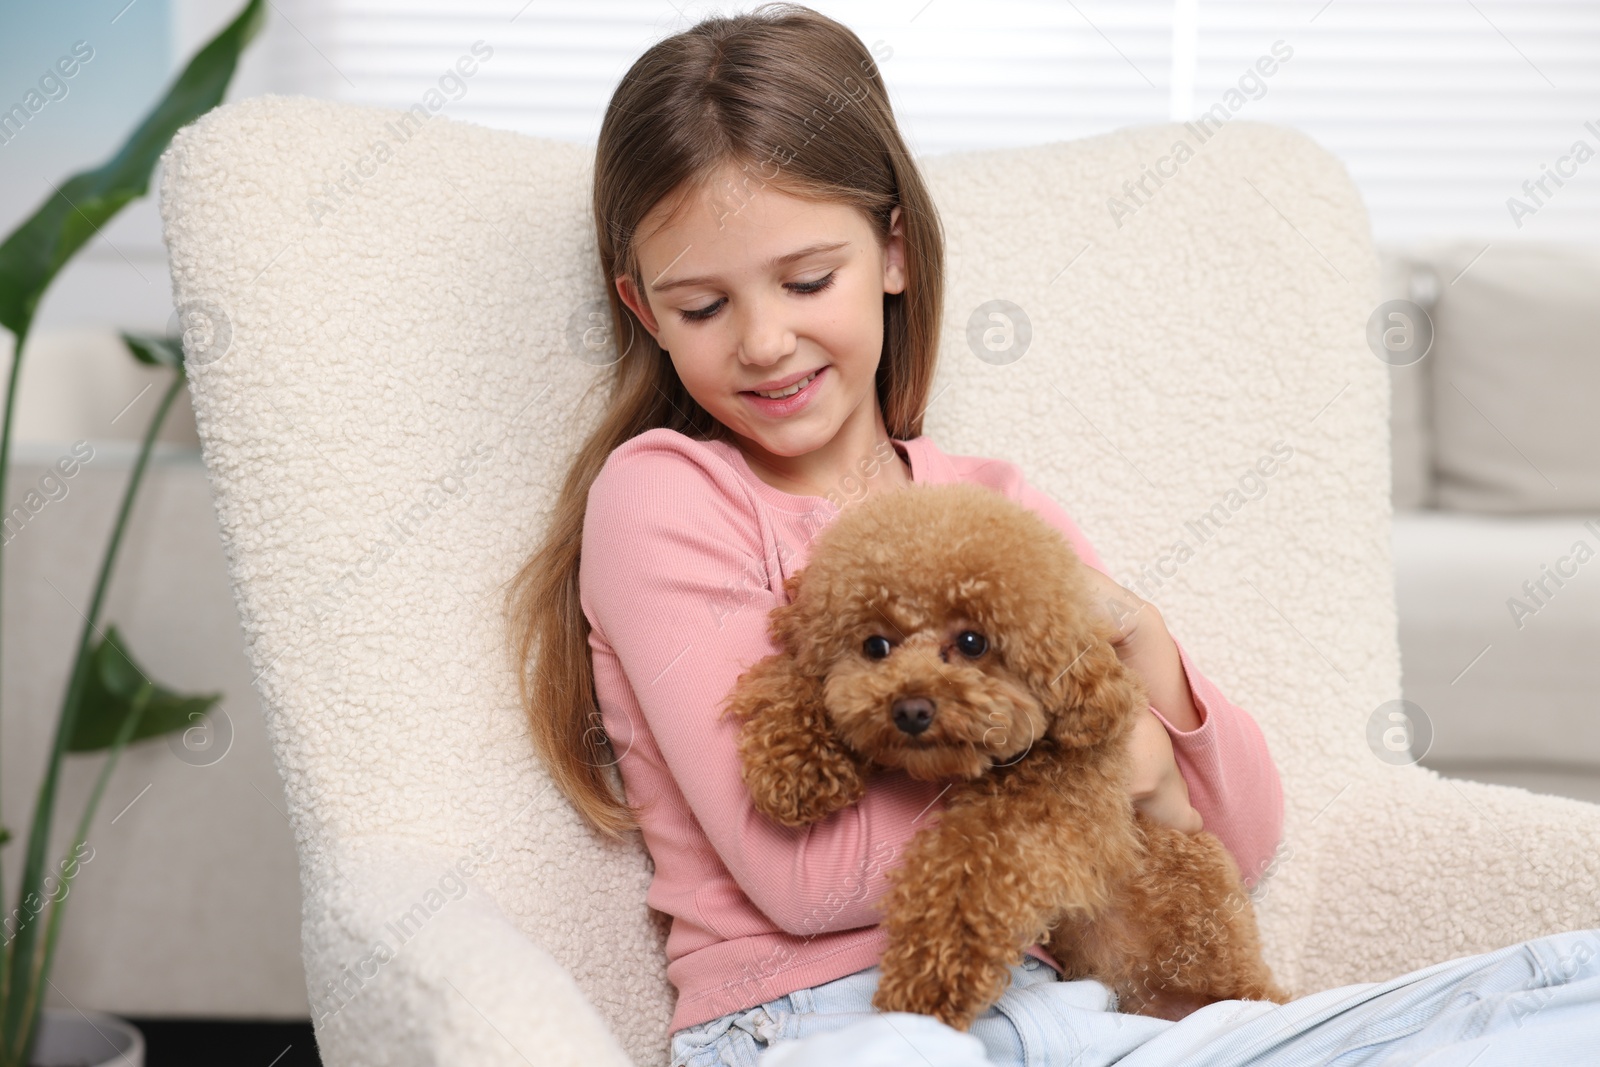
point(796, 99)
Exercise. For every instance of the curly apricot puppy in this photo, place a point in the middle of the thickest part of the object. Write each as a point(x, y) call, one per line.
point(950, 632)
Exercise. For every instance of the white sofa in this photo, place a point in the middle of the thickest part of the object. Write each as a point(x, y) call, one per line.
point(431, 316)
point(1497, 509)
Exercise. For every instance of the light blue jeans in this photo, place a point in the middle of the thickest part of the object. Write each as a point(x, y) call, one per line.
point(1533, 1004)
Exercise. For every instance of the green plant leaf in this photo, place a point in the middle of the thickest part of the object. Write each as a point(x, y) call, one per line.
point(75, 210)
point(154, 350)
point(108, 699)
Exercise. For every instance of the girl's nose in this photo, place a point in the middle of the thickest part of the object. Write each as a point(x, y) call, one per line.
point(765, 334)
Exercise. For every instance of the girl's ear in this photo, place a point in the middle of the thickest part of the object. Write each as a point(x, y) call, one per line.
point(797, 770)
point(638, 305)
point(894, 254)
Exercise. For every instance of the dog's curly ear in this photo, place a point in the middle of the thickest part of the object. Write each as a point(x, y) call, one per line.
point(1094, 698)
point(1060, 645)
point(796, 769)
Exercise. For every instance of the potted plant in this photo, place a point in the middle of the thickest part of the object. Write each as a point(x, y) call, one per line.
point(110, 701)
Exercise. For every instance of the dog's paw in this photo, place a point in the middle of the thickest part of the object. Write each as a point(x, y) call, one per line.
point(1260, 989)
point(804, 786)
point(896, 992)
point(925, 969)
point(1163, 1004)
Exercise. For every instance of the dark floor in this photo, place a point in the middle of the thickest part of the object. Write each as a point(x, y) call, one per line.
point(179, 1042)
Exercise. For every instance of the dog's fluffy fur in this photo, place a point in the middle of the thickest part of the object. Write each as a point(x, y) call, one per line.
point(1038, 840)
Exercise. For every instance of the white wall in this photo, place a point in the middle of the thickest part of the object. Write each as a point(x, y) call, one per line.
point(190, 903)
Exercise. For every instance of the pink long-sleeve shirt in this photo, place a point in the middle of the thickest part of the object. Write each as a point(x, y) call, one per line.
point(684, 553)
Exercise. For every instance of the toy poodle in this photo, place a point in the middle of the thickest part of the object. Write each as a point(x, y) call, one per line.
point(949, 632)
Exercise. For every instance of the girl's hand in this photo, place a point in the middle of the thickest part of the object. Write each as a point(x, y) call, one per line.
point(1125, 609)
point(1158, 787)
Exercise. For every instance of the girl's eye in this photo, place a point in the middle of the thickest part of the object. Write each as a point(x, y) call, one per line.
point(816, 286)
point(875, 647)
point(972, 643)
point(803, 288)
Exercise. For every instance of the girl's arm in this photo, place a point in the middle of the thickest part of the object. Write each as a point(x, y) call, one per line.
point(673, 581)
point(1220, 751)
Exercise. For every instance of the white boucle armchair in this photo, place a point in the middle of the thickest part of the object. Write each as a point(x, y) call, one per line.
point(387, 381)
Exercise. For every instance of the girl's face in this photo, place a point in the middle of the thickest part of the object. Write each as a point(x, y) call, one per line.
point(764, 289)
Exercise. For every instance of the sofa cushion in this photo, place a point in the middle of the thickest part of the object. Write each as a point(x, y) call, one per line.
point(1496, 615)
point(1515, 378)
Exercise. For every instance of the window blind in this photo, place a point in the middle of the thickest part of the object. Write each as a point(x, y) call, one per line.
point(1444, 111)
point(1440, 109)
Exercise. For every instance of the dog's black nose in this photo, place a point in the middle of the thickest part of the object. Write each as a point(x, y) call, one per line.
point(913, 714)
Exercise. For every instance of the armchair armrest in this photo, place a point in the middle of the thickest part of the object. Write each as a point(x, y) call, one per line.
point(409, 961)
point(1416, 868)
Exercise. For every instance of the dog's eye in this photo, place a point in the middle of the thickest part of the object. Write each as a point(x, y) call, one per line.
point(875, 647)
point(972, 643)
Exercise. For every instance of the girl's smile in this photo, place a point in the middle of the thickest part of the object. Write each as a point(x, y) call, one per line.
point(789, 398)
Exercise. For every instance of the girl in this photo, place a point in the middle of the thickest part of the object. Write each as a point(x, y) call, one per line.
point(778, 282)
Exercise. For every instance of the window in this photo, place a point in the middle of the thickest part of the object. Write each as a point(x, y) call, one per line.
point(1441, 109)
